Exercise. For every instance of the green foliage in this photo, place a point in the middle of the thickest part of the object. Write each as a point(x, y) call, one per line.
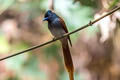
point(16, 62)
point(5, 4)
point(52, 52)
point(4, 45)
point(113, 3)
point(31, 68)
point(90, 3)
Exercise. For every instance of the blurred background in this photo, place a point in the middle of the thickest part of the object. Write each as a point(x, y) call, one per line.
point(95, 50)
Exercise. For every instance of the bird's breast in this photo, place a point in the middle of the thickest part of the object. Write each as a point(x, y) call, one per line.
point(56, 28)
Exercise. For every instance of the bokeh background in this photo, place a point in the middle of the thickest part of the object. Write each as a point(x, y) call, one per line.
point(95, 50)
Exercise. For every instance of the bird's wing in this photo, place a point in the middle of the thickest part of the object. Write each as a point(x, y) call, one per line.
point(65, 28)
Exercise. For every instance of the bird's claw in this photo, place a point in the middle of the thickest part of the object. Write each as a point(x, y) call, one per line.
point(90, 23)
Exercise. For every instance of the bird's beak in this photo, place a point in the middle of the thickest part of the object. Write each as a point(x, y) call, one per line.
point(45, 19)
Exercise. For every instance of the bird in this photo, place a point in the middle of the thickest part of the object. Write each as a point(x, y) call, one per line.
point(58, 28)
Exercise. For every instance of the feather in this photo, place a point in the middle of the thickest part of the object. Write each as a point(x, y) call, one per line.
point(65, 28)
point(68, 58)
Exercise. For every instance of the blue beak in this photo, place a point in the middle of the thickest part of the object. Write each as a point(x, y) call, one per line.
point(45, 19)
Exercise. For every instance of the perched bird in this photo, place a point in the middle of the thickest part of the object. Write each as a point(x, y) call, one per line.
point(57, 27)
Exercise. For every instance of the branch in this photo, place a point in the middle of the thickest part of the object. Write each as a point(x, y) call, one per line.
point(40, 45)
point(51, 4)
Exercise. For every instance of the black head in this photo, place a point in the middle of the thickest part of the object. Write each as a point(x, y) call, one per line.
point(49, 16)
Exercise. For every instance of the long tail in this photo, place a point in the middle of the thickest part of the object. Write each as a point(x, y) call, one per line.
point(67, 58)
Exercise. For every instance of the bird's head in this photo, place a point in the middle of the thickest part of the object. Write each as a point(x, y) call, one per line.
point(49, 16)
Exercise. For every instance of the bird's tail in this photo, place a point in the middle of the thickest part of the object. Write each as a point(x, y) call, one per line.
point(67, 58)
